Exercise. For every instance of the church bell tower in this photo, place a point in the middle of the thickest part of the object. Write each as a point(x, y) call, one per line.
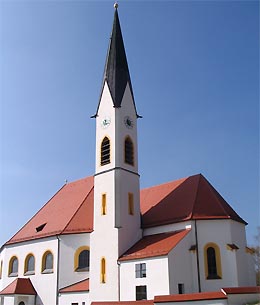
point(116, 184)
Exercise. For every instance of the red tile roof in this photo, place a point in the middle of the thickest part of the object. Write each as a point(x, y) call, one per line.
point(142, 302)
point(185, 199)
point(241, 290)
point(77, 287)
point(19, 286)
point(190, 297)
point(154, 245)
point(70, 210)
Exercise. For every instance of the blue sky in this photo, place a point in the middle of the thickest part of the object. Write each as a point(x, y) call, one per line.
point(195, 72)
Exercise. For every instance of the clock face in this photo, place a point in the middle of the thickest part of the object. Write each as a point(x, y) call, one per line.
point(105, 122)
point(129, 123)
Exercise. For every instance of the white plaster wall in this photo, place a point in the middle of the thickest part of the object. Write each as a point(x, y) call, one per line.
point(104, 242)
point(40, 281)
point(116, 231)
point(68, 246)
point(8, 300)
point(238, 235)
point(2, 255)
point(251, 269)
point(156, 280)
point(69, 298)
point(28, 300)
point(168, 228)
point(182, 267)
point(218, 232)
point(242, 299)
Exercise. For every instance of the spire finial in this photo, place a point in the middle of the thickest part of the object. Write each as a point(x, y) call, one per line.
point(116, 5)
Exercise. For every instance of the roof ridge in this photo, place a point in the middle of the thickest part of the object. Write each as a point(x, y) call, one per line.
point(196, 196)
point(77, 210)
point(9, 241)
point(167, 182)
point(219, 197)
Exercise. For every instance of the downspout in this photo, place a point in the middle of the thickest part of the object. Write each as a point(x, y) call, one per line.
point(119, 265)
point(197, 256)
point(58, 270)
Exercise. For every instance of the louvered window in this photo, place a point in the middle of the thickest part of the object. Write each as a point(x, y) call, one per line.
point(105, 151)
point(129, 151)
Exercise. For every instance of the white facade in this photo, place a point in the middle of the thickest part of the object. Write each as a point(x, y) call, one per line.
point(117, 227)
point(156, 280)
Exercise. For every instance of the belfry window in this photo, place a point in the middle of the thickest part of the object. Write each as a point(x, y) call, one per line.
point(212, 262)
point(105, 151)
point(129, 151)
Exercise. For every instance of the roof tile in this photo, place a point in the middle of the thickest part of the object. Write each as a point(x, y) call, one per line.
point(154, 245)
point(19, 286)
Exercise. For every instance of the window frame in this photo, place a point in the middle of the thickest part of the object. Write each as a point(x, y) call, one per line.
point(141, 295)
point(131, 209)
point(77, 257)
point(129, 155)
point(45, 270)
point(140, 270)
point(104, 204)
point(218, 274)
point(105, 152)
point(10, 267)
point(26, 265)
point(103, 270)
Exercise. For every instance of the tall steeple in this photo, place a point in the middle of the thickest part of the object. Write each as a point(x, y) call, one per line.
point(116, 183)
point(116, 72)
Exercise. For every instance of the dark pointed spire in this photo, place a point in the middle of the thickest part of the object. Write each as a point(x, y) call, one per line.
point(116, 72)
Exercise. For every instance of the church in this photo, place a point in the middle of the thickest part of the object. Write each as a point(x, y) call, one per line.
point(101, 240)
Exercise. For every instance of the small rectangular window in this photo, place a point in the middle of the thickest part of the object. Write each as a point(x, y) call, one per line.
point(181, 288)
point(74, 303)
point(131, 204)
point(104, 204)
point(141, 293)
point(140, 270)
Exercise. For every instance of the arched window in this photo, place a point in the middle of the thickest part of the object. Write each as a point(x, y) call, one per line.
point(129, 151)
point(105, 151)
point(212, 261)
point(21, 303)
point(13, 266)
point(29, 264)
point(47, 262)
point(81, 259)
point(103, 270)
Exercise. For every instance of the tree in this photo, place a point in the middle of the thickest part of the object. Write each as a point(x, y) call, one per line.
point(256, 256)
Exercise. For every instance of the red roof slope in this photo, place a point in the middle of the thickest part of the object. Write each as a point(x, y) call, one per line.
point(77, 287)
point(70, 210)
point(154, 245)
point(19, 286)
point(142, 302)
point(185, 199)
point(242, 290)
point(190, 297)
